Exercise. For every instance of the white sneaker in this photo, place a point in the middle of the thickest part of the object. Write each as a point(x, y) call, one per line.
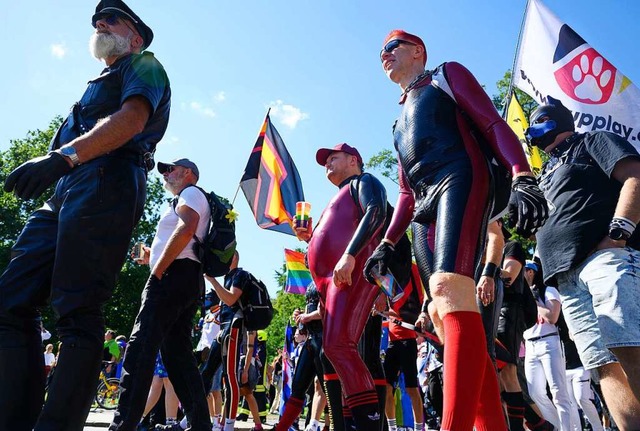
point(216, 427)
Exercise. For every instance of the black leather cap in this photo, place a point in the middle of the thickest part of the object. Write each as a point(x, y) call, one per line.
point(119, 8)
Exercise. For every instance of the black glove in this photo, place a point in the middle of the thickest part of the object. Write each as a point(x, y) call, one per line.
point(32, 178)
point(536, 294)
point(528, 208)
point(381, 256)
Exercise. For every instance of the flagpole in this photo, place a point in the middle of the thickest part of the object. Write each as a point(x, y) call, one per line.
point(240, 182)
point(515, 59)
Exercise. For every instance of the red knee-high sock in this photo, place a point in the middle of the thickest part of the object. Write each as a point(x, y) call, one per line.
point(490, 416)
point(292, 410)
point(465, 352)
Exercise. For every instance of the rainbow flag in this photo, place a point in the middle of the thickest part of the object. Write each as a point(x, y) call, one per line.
point(298, 276)
point(271, 182)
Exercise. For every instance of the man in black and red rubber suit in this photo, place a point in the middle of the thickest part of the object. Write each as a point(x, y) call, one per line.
point(446, 195)
point(345, 236)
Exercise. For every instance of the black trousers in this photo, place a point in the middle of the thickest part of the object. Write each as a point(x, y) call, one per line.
point(164, 322)
point(69, 254)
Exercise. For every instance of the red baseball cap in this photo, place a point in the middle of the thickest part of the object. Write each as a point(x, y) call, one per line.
point(324, 153)
point(408, 37)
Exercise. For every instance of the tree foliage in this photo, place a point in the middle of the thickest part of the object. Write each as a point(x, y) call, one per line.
point(499, 99)
point(386, 162)
point(120, 312)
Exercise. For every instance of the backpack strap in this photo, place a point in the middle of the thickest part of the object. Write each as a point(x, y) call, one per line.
point(174, 204)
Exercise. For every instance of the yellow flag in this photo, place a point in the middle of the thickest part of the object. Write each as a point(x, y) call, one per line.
point(518, 123)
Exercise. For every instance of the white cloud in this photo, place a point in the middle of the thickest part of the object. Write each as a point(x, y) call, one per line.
point(220, 97)
point(58, 50)
point(202, 110)
point(289, 115)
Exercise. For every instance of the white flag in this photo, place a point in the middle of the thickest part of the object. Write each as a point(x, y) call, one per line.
point(554, 60)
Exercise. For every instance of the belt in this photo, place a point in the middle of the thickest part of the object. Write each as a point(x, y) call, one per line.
point(143, 160)
point(543, 336)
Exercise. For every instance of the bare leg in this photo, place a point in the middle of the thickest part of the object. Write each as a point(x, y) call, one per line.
point(416, 403)
point(319, 401)
point(623, 405)
point(389, 406)
point(154, 394)
point(629, 358)
point(170, 400)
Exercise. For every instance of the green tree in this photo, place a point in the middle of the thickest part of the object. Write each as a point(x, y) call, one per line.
point(385, 162)
point(13, 211)
point(121, 311)
point(499, 99)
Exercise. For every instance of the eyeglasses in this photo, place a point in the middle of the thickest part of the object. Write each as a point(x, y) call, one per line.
point(169, 169)
point(390, 46)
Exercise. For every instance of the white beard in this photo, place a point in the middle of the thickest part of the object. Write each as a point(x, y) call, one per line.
point(105, 45)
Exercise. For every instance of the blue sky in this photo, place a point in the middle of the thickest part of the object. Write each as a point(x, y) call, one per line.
point(315, 63)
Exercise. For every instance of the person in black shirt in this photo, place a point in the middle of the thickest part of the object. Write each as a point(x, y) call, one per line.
point(225, 350)
point(589, 248)
point(71, 250)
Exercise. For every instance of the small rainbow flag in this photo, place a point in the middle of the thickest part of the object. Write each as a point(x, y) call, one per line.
point(298, 276)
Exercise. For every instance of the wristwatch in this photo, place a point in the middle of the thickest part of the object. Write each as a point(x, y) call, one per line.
point(618, 234)
point(70, 152)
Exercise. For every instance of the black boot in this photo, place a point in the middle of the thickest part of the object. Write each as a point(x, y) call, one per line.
point(21, 373)
point(74, 384)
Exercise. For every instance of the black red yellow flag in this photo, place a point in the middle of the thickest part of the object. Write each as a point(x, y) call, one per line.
point(271, 182)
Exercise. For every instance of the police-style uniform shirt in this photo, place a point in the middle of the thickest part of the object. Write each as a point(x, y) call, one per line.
point(131, 75)
point(582, 197)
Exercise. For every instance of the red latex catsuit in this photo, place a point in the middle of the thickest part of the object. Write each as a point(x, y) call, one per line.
point(342, 228)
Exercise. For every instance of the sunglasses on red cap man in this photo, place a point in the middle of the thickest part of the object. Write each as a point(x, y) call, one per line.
point(323, 153)
point(398, 37)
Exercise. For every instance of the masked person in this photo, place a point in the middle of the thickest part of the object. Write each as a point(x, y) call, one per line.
point(589, 248)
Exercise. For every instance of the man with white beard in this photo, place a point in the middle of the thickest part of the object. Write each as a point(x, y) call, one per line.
point(71, 250)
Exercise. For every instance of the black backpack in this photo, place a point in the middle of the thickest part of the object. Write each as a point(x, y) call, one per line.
point(216, 249)
point(256, 305)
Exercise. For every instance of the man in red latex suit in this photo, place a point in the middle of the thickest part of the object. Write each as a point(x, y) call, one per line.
point(446, 194)
point(347, 233)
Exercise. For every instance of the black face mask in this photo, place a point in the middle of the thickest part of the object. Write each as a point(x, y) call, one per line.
point(559, 119)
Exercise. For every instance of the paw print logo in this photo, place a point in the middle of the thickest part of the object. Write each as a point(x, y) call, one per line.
point(588, 77)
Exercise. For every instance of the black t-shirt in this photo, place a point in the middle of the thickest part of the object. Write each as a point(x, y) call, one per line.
point(313, 302)
point(239, 278)
point(513, 250)
point(582, 197)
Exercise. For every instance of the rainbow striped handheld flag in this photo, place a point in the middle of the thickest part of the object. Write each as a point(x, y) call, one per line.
point(298, 276)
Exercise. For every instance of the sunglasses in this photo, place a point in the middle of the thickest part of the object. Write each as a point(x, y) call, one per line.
point(169, 169)
point(113, 19)
point(389, 47)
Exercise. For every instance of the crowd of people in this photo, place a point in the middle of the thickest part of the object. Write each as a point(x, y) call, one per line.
point(484, 333)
